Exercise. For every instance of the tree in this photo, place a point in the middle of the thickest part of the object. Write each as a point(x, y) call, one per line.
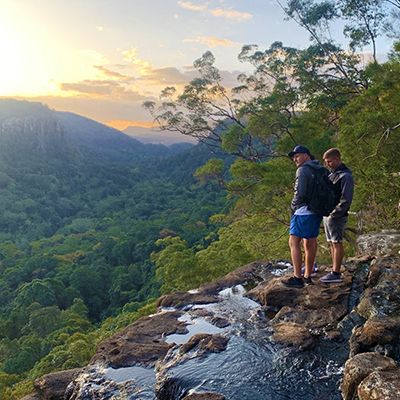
point(205, 111)
point(369, 136)
point(365, 22)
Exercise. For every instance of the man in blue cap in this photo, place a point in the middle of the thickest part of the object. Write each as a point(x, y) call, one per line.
point(304, 223)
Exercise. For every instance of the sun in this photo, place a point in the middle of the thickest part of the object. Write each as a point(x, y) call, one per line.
point(33, 62)
point(13, 58)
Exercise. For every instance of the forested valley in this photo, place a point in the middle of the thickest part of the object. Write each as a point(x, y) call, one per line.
point(82, 209)
point(90, 239)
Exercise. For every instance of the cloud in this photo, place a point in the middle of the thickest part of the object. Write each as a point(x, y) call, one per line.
point(231, 14)
point(187, 5)
point(102, 88)
point(212, 41)
point(88, 86)
point(168, 76)
point(228, 13)
point(131, 56)
point(113, 74)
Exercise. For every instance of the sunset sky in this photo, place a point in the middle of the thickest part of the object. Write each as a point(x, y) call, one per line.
point(104, 58)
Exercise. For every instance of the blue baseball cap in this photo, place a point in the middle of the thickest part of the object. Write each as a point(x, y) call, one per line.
point(299, 149)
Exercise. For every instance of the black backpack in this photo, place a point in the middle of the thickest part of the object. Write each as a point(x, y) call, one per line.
point(323, 197)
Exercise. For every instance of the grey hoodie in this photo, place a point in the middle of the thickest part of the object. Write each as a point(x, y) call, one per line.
point(342, 180)
point(303, 183)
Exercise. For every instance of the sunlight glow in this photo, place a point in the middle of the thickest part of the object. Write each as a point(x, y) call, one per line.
point(33, 61)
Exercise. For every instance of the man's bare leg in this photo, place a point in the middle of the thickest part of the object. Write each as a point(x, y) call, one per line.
point(310, 250)
point(295, 253)
point(337, 256)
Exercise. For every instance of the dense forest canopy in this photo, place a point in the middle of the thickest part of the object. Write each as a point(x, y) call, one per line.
point(79, 221)
point(88, 239)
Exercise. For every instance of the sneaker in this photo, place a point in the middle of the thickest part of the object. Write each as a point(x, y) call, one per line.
point(293, 282)
point(308, 281)
point(313, 272)
point(331, 278)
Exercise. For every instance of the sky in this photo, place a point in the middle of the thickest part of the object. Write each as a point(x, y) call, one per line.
point(103, 58)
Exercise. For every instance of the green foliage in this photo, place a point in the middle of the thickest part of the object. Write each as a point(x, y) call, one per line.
point(176, 265)
point(232, 138)
point(369, 133)
point(212, 170)
point(75, 252)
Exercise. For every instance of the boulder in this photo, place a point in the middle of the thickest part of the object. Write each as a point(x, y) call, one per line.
point(385, 243)
point(380, 385)
point(292, 334)
point(376, 331)
point(318, 296)
point(382, 296)
point(303, 314)
point(205, 343)
point(359, 367)
point(140, 343)
point(52, 386)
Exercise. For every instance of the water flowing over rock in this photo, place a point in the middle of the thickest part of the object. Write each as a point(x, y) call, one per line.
point(249, 337)
point(223, 341)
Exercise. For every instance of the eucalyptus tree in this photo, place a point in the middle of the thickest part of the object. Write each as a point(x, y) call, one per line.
point(206, 111)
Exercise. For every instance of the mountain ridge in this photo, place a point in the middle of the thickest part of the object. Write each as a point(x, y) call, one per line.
point(38, 127)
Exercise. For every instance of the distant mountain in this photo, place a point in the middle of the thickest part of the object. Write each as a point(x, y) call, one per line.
point(155, 136)
point(33, 128)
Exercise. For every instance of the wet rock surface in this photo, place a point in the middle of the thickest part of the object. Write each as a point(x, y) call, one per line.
point(266, 342)
point(140, 343)
point(249, 274)
point(100, 383)
point(53, 386)
point(204, 396)
point(205, 343)
point(382, 295)
point(304, 314)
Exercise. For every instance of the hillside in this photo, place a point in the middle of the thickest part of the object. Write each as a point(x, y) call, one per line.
point(156, 136)
point(82, 208)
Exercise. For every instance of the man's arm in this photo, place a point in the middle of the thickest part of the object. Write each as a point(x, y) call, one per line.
point(347, 189)
point(300, 188)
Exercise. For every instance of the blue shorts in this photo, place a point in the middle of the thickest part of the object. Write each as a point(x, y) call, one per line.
point(305, 226)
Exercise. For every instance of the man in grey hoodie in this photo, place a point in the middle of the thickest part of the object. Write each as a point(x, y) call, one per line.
point(335, 223)
point(304, 223)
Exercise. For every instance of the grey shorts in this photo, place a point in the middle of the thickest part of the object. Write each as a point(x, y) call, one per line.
point(334, 229)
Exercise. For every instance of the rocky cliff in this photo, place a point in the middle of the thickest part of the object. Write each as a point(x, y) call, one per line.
point(247, 336)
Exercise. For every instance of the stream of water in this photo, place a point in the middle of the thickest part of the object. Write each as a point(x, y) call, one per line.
point(252, 367)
